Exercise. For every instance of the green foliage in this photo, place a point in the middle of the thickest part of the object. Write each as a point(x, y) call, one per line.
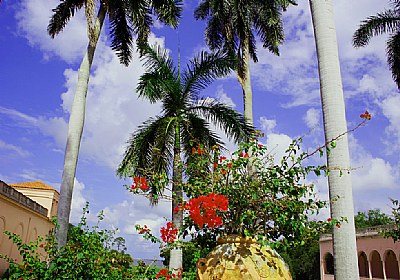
point(395, 231)
point(267, 201)
point(372, 218)
point(303, 261)
point(87, 255)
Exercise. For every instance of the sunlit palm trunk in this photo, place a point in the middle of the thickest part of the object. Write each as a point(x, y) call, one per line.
point(245, 82)
point(340, 188)
point(75, 129)
point(175, 261)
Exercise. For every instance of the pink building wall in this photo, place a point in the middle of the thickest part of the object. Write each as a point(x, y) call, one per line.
point(378, 257)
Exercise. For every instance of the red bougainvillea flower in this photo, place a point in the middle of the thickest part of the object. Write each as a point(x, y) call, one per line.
point(194, 150)
point(177, 209)
point(241, 154)
point(338, 225)
point(215, 165)
point(366, 115)
point(246, 155)
point(141, 183)
point(144, 230)
point(163, 273)
point(203, 209)
point(229, 165)
point(222, 158)
point(260, 145)
point(328, 220)
point(169, 233)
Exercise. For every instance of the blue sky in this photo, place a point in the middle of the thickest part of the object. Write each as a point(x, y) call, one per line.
point(38, 77)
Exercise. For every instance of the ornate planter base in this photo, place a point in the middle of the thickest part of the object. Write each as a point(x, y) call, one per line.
point(242, 258)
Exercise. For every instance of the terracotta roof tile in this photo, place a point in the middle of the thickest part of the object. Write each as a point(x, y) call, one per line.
point(32, 185)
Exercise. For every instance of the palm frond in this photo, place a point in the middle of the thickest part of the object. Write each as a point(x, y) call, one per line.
point(204, 69)
point(387, 21)
point(231, 122)
point(62, 14)
point(160, 76)
point(149, 148)
point(393, 56)
point(121, 32)
point(140, 18)
point(196, 131)
point(268, 24)
point(168, 11)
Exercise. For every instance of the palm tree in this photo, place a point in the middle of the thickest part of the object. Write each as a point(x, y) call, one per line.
point(160, 143)
point(230, 27)
point(339, 180)
point(386, 22)
point(127, 18)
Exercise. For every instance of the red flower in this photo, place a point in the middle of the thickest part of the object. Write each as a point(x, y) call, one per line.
point(215, 165)
point(194, 150)
point(169, 233)
point(223, 171)
point(338, 225)
point(329, 219)
point(203, 209)
point(366, 115)
point(177, 209)
point(143, 184)
point(260, 145)
point(229, 165)
point(241, 154)
point(222, 158)
point(162, 272)
point(246, 155)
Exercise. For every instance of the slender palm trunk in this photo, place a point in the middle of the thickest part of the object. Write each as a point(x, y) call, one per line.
point(340, 188)
point(75, 129)
point(176, 261)
point(245, 82)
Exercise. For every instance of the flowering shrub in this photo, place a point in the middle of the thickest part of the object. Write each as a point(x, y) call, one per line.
point(167, 275)
point(87, 255)
point(256, 197)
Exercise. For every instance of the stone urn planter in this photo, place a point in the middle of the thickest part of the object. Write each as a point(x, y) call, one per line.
point(239, 257)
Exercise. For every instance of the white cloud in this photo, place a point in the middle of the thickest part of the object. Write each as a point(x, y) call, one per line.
point(390, 107)
point(277, 144)
point(224, 98)
point(267, 125)
point(78, 202)
point(371, 173)
point(33, 17)
point(312, 118)
point(10, 147)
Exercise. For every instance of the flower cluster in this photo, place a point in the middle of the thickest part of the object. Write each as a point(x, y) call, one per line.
point(142, 230)
point(169, 276)
point(199, 150)
point(203, 209)
point(169, 233)
point(140, 183)
point(366, 115)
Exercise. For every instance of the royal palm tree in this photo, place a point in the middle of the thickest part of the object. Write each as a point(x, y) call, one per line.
point(333, 109)
point(231, 26)
point(386, 22)
point(160, 143)
point(128, 18)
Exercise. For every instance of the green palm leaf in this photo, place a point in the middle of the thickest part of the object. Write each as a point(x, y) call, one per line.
point(62, 14)
point(387, 21)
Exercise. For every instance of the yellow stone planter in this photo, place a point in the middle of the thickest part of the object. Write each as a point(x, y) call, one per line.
point(239, 257)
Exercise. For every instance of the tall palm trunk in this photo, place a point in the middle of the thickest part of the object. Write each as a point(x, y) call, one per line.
point(340, 188)
point(245, 82)
point(75, 129)
point(176, 261)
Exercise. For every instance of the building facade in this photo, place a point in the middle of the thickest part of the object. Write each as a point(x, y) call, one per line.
point(378, 257)
point(26, 209)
